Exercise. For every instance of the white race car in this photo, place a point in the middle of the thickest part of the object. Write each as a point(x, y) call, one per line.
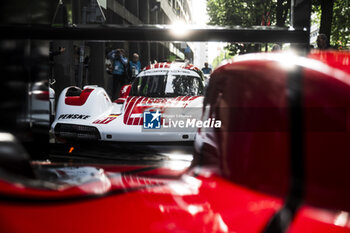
point(164, 90)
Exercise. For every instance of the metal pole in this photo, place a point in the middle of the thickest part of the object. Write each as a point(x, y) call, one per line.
point(301, 19)
point(81, 54)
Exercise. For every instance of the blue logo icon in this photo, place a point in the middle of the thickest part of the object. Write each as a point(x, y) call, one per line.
point(151, 120)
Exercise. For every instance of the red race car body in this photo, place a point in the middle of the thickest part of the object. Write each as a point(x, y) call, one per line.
point(279, 163)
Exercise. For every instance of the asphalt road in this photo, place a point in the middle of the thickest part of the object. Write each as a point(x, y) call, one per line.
point(122, 153)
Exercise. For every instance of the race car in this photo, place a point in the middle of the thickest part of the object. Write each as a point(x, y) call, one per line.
point(285, 132)
point(269, 177)
point(148, 110)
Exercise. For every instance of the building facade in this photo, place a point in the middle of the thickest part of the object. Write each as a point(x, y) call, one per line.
point(68, 67)
point(138, 12)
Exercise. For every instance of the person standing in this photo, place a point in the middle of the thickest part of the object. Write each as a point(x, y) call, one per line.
point(134, 67)
point(276, 48)
point(52, 55)
point(206, 69)
point(119, 71)
point(322, 41)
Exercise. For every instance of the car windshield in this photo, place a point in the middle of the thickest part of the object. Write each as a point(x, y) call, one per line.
point(167, 86)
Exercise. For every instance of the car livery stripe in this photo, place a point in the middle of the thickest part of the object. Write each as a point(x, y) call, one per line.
point(129, 101)
point(129, 111)
point(141, 118)
point(133, 119)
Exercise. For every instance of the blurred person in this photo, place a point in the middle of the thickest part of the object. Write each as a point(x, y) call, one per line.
point(322, 41)
point(76, 51)
point(276, 48)
point(134, 67)
point(56, 53)
point(119, 71)
point(206, 69)
point(86, 70)
point(52, 55)
point(108, 66)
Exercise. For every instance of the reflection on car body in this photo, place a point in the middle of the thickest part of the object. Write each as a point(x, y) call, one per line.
point(245, 188)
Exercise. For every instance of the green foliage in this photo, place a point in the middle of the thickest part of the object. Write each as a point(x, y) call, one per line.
point(237, 12)
point(316, 13)
point(171, 58)
point(340, 31)
point(340, 34)
point(243, 13)
point(248, 13)
point(223, 56)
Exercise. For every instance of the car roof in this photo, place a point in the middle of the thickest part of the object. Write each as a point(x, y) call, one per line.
point(172, 66)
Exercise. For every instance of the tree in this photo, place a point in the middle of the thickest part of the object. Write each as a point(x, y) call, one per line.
point(326, 8)
point(247, 13)
point(340, 31)
point(334, 20)
point(282, 10)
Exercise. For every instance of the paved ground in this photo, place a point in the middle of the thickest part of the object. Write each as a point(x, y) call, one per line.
point(122, 153)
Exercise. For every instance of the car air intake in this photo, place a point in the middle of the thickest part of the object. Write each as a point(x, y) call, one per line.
point(77, 132)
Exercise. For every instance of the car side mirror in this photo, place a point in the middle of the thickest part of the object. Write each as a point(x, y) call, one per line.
point(120, 100)
point(124, 91)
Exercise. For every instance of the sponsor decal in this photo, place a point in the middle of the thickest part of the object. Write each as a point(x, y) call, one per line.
point(151, 120)
point(155, 71)
point(106, 97)
point(106, 120)
point(180, 72)
point(73, 116)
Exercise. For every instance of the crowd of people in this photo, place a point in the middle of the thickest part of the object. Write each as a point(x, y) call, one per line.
point(122, 69)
